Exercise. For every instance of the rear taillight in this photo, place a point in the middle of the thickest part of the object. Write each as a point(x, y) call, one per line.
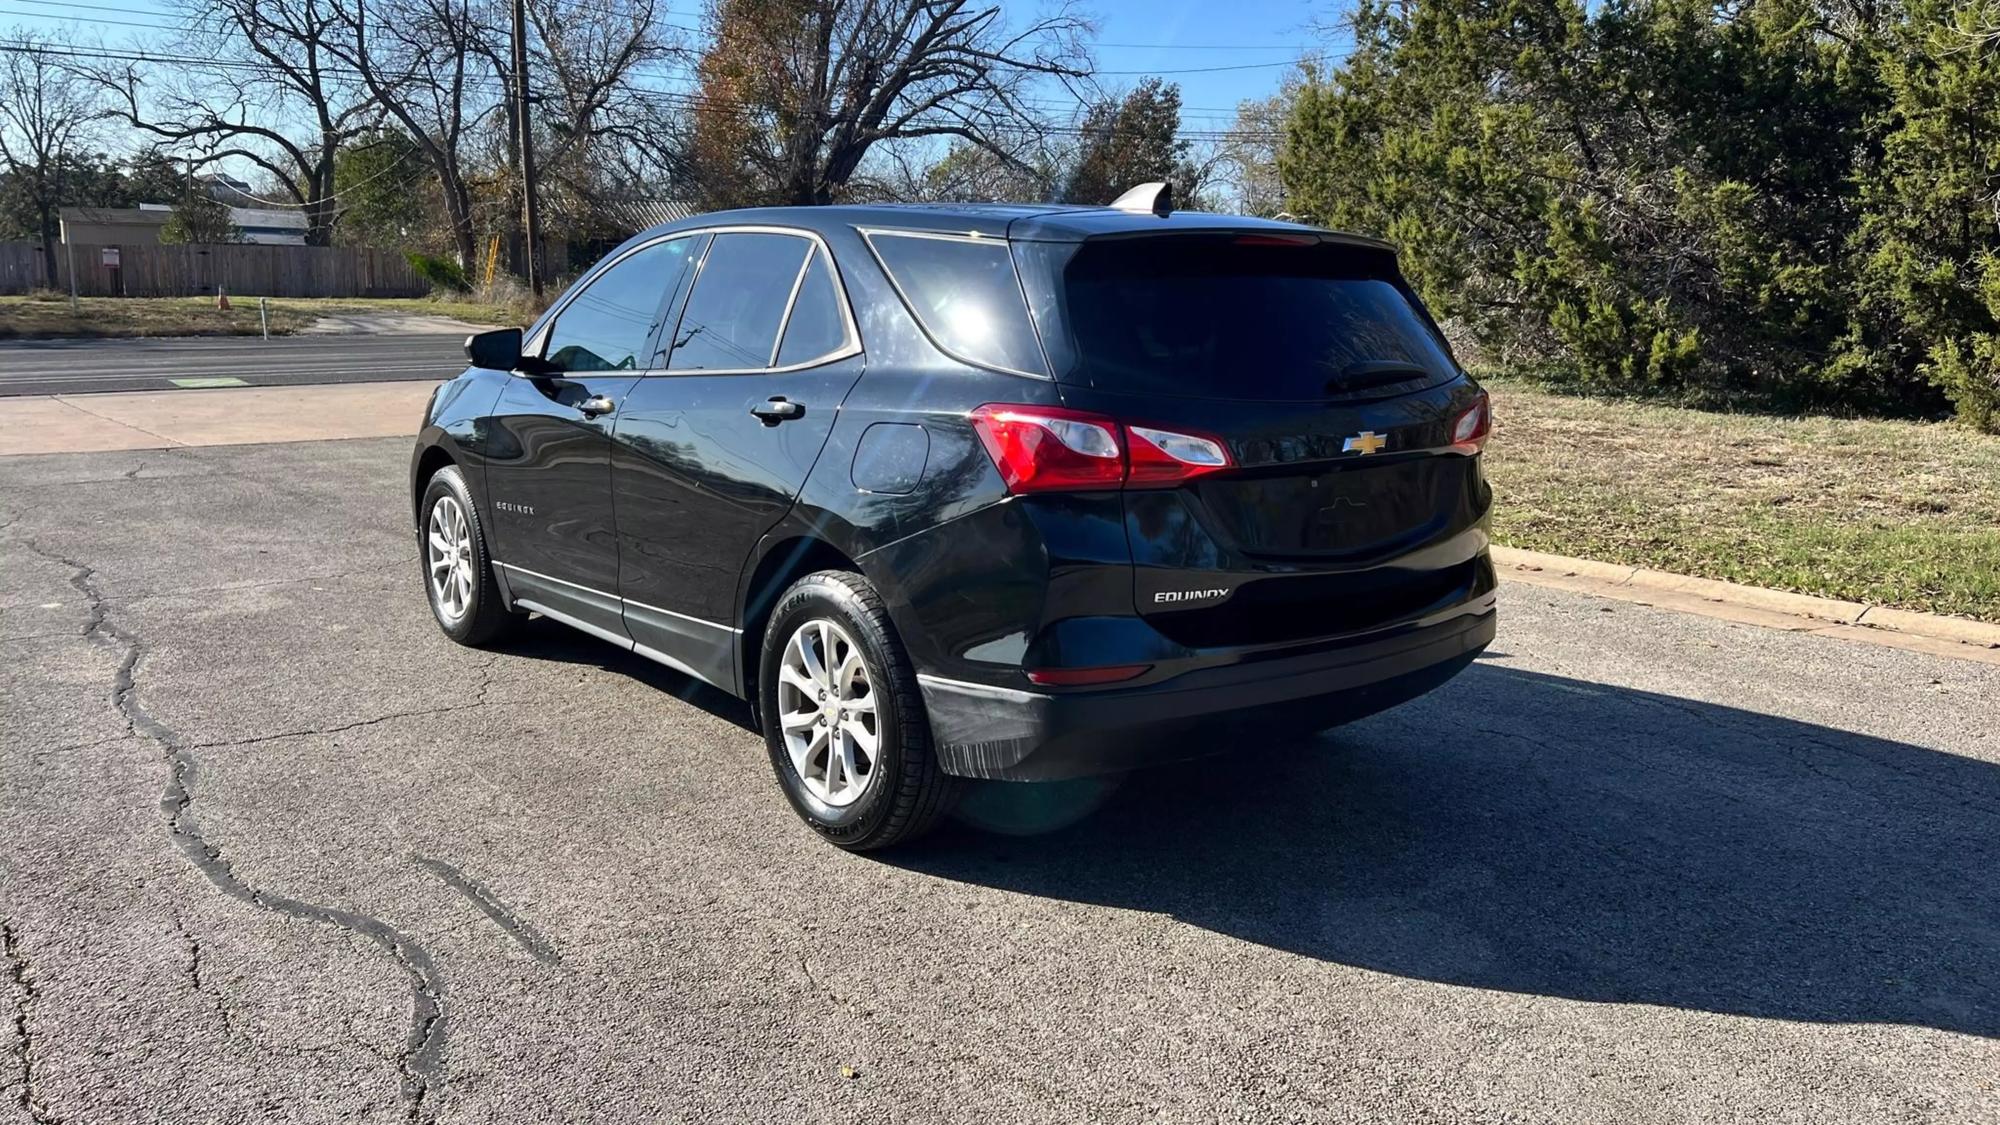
point(1469, 429)
point(1046, 448)
point(1167, 457)
point(1051, 449)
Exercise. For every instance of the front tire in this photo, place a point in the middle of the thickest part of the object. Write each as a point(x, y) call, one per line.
point(457, 570)
point(843, 720)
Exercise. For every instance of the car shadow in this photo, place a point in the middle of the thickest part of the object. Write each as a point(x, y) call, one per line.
point(1564, 838)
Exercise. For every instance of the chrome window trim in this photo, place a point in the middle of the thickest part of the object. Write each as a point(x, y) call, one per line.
point(622, 601)
point(868, 235)
point(852, 346)
point(791, 302)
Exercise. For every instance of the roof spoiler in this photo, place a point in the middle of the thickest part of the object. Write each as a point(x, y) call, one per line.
point(1154, 198)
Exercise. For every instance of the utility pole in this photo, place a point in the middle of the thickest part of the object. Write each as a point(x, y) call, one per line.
point(531, 220)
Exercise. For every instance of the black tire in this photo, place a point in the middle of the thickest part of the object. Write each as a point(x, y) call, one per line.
point(485, 618)
point(906, 794)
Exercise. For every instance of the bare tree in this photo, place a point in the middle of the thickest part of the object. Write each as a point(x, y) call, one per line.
point(589, 59)
point(424, 63)
point(277, 94)
point(47, 112)
point(794, 93)
point(1247, 158)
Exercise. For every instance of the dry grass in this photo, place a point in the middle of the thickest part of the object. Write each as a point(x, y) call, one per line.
point(44, 315)
point(1897, 513)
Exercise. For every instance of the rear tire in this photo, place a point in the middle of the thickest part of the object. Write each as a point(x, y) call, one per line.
point(843, 719)
point(457, 570)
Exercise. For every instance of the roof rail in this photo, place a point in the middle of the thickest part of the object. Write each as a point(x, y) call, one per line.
point(1154, 198)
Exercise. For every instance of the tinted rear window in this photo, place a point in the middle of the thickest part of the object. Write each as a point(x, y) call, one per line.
point(1215, 317)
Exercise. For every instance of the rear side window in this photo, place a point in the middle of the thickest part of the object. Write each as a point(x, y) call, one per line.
point(1224, 317)
point(964, 293)
point(607, 326)
point(738, 303)
point(816, 327)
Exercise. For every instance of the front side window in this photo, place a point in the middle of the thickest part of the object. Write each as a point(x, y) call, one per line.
point(738, 303)
point(965, 294)
point(607, 326)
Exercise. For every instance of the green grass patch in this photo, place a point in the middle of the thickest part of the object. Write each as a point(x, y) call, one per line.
point(48, 315)
point(1895, 513)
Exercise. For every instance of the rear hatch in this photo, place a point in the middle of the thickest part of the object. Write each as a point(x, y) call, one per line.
point(1347, 506)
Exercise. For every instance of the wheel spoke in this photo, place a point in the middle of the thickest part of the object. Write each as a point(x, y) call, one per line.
point(809, 660)
point(859, 735)
point(825, 671)
point(796, 680)
point(803, 750)
point(838, 758)
point(438, 543)
point(851, 776)
point(442, 565)
point(851, 669)
point(798, 719)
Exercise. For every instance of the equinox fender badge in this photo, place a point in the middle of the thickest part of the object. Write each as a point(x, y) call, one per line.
point(1187, 595)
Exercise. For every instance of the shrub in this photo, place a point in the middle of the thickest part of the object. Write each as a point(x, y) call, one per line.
point(441, 273)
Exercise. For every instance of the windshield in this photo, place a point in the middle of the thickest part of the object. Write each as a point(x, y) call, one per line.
point(1245, 318)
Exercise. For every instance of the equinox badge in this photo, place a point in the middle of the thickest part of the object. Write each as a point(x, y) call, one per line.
point(1187, 595)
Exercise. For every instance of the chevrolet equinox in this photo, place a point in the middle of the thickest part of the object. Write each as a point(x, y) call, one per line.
point(977, 491)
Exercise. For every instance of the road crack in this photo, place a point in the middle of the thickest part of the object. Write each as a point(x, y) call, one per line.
point(421, 1064)
point(21, 987)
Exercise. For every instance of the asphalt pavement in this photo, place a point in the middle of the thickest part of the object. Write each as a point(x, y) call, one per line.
point(45, 367)
point(271, 849)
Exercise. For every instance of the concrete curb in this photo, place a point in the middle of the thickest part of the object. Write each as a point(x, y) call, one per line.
point(1757, 602)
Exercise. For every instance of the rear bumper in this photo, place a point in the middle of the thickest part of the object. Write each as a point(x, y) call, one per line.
point(1007, 734)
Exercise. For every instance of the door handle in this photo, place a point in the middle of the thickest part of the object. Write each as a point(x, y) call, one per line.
point(595, 405)
point(777, 409)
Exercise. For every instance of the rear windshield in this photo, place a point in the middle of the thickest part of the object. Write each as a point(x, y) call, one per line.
point(1225, 317)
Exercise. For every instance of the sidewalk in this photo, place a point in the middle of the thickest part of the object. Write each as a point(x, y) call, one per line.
point(232, 416)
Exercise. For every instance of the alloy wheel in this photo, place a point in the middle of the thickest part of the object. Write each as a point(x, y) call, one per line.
point(826, 712)
point(448, 554)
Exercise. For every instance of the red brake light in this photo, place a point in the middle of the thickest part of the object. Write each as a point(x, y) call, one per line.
point(1050, 448)
point(1470, 428)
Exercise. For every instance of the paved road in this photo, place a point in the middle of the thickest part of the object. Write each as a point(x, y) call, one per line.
point(41, 367)
point(272, 850)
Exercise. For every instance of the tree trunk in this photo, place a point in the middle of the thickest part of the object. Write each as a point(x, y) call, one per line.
point(458, 209)
point(49, 251)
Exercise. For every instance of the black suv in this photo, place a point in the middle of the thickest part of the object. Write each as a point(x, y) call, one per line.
point(978, 491)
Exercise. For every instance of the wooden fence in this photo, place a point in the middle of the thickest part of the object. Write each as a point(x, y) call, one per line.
point(153, 270)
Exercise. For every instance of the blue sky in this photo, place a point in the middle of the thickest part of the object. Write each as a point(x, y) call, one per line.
point(1206, 33)
point(1134, 35)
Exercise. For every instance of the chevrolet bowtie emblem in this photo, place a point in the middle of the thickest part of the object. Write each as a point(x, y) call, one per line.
point(1365, 442)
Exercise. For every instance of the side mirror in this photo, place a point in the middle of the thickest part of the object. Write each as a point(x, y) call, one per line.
point(498, 350)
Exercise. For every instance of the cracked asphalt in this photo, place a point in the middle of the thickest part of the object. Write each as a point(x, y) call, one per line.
point(274, 850)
